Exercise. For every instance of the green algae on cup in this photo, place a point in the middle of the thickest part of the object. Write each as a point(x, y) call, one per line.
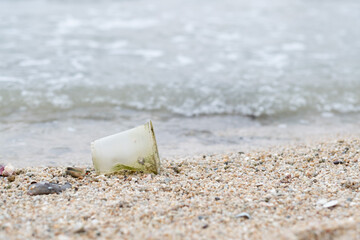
point(134, 150)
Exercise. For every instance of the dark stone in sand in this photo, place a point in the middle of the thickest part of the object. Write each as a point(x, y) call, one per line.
point(176, 169)
point(43, 188)
point(205, 226)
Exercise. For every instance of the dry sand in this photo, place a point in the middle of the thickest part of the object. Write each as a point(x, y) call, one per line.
point(300, 192)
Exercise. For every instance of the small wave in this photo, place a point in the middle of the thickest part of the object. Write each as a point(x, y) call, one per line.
point(186, 101)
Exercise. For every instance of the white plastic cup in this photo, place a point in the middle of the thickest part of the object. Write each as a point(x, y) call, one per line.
point(134, 150)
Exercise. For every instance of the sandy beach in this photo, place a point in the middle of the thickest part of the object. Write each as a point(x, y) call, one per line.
point(289, 192)
point(255, 105)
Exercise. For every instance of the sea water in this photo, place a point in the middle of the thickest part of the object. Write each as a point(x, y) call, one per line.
point(212, 75)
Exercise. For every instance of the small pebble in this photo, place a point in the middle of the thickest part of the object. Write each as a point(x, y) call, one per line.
point(30, 174)
point(205, 226)
point(331, 204)
point(321, 201)
point(176, 169)
point(244, 215)
point(80, 230)
point(267, 199)
point(76, 172)
point(338, 162)
point(11, 178)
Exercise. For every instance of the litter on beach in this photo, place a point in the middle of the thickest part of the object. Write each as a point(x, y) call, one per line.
point(134, 150)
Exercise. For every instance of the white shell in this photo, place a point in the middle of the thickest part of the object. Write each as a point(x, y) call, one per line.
point(330, 204)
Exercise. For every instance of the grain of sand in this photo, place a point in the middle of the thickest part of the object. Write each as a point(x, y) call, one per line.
point(300, 192)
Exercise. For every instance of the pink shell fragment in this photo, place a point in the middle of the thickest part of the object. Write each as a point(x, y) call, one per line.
point(1, 169)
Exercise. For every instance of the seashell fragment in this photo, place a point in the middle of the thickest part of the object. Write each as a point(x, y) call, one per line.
point(244, 215)
point(1, 169)
point(331, 204)
point(8, 170)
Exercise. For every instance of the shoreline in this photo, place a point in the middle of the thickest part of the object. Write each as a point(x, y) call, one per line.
point(66, 142)
point(286, 192)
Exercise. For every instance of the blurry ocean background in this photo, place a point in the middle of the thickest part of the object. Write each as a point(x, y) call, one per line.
point(213, 75)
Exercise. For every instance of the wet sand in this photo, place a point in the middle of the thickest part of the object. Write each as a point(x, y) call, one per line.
point(66, 141)
point(287, 192)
